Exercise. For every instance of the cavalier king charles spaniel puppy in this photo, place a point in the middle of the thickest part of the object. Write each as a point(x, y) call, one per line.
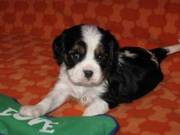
point(99, 73)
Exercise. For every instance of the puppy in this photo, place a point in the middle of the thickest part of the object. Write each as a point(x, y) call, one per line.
point(86, 54)
point(97, 72)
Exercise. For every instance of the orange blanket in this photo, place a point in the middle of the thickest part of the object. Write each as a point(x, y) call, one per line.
point(28, 70)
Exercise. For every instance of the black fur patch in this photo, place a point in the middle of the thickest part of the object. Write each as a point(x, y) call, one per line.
point(64, 47)
point(132, 77)
point(110, 52)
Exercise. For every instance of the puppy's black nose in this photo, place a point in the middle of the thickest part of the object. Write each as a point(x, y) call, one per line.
point(88, 73)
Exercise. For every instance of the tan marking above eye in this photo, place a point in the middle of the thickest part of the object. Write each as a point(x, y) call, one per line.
point(79, 47)
point(99, 50)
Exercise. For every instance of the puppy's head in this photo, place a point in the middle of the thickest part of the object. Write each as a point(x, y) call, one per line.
point(87, 52)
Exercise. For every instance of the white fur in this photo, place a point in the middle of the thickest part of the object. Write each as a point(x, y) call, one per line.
point(63, 89)
point(129, 54)
point(120, 59)
point(73, 83)
point(173, 49)
point(153, 57)
point(126, 53)
point(91, 36)
point(97, 107)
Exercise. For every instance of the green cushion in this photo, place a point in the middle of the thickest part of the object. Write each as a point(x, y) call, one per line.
point(11, 123)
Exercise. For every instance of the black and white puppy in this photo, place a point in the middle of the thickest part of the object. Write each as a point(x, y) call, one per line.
point(97, 72)
point(86, 54)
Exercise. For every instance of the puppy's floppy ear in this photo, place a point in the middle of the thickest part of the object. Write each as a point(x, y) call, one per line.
point(114, 48)
point(58, 48)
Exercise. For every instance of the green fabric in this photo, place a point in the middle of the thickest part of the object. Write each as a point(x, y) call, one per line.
point(11, 123)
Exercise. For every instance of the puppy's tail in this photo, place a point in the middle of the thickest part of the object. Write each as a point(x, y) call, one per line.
point(161, 53)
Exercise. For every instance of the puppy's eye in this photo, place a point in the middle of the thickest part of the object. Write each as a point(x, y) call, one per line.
point(100, 57)
point(75, 56)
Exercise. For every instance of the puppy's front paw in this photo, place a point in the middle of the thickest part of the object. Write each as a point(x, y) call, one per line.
point(96, 108)
point(89, 113)
point(31, 111)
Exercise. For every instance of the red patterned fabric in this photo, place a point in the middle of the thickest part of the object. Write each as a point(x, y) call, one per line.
point(156, 19)
point(28, 70)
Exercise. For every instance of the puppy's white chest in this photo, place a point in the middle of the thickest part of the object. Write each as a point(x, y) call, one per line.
point(87, 95)
point(78, 92)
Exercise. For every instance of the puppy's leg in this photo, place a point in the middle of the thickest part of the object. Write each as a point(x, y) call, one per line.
point(54, 99)
point(98, 106)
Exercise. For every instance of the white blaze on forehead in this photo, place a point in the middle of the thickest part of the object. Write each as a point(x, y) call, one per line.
point(91, 36)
